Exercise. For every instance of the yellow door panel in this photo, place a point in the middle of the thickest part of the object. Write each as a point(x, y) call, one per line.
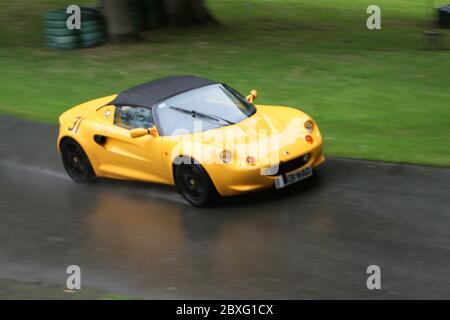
point(130, 158)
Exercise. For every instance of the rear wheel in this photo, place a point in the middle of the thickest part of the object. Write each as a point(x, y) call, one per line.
point(76, 162)
point(194, 184)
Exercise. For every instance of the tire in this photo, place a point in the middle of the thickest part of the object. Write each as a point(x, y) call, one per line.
point(89, 28)
point(61, 32)
point(66, 40)
point(63, 46)
point(76, 162)
point(91, 36)
point(56, 15)
point(194, 184)
point(87, 14)
point(55, 24)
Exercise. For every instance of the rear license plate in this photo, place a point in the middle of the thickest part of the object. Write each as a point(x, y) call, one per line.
point(292, 177)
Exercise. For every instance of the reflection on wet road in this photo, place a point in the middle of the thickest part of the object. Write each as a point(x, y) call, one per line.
point(314, 240)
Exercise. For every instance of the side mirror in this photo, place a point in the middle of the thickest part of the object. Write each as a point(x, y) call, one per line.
point(252, 96)
point(140, 132)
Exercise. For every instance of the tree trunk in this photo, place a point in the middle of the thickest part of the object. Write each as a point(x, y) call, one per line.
point(121, 28)
point(119, 25)
point(176, 13)
point(201, 14)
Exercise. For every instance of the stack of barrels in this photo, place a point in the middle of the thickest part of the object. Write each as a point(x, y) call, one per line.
point(145, 14)
point(58, 35)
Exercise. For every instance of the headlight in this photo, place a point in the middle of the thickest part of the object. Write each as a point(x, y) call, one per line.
point(309, 126)
point(226, 156)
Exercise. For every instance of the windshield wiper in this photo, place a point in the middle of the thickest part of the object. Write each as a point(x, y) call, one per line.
point(194, 114)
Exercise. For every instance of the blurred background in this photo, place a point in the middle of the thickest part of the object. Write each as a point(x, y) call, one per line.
point(376, 94)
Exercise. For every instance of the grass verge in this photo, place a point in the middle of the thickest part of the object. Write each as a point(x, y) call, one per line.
point(376, 94)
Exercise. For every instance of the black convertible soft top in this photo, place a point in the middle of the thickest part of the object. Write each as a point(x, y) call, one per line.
point(147, 94)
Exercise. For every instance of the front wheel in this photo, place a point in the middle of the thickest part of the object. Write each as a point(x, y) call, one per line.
point(194, 184)
point(76, 162)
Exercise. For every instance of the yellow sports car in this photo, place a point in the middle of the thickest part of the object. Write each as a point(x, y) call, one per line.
point(200, 135)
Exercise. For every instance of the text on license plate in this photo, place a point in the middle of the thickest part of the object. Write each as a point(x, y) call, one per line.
point(292, 177)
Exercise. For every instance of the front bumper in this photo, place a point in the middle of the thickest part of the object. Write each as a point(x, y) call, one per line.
point(232, 180)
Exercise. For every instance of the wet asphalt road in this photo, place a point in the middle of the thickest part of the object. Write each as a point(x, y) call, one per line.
point(313, 240)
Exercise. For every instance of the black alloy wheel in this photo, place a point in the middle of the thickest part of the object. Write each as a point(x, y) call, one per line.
point(194, 184)
point(76, 162)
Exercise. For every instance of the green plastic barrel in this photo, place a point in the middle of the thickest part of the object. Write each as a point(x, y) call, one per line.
point(92, 30)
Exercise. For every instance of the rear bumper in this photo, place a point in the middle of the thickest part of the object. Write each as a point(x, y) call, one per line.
point(233, 180)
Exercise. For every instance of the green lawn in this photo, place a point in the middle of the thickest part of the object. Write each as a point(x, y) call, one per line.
point(375, 94)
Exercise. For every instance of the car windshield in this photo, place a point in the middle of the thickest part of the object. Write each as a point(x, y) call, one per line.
point(202, 109)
